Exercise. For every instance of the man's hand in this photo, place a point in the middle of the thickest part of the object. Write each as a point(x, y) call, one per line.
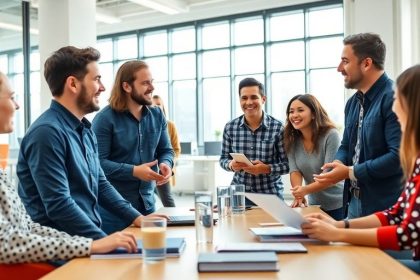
point(237, 166)
point(144, 172)
point(337, 173)
point(166, 172)
point(137, 221)
point(258, 168)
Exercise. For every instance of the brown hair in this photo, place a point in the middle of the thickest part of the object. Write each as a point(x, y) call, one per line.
point(157, 97)
point(320, 124)
point(65, 62)
point(408, 86)
point(366, 45)
point(118, 100)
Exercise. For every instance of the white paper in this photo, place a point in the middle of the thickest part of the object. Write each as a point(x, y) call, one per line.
point(277, 208)
point(258, 247)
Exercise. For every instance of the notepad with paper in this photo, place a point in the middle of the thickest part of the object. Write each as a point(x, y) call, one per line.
point(292, 247)
point(174, 247)
point(281, 234)
point(277, 208)
point(245, 261)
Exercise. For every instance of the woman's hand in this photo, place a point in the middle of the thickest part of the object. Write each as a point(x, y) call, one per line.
point(107, 244)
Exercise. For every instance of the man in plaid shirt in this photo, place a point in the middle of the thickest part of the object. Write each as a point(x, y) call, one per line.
point(258, 136)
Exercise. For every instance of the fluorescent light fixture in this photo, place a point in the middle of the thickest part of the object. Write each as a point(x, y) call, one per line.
point(105, 16)
point(170, 7)
point(16, 27)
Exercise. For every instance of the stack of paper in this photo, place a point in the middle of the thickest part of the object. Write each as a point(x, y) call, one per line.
point(281, 234)
point(292, 247)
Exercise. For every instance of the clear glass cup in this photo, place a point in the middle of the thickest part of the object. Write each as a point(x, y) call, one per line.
point(153, 232)
point(224, 198)
point(238, 199)
point(204, 216)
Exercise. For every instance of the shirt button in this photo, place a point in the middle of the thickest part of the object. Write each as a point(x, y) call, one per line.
point(252, 148)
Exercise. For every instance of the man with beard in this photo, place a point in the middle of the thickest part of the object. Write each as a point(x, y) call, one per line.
point(133, 141)
point(60, 179)
point(368, 156)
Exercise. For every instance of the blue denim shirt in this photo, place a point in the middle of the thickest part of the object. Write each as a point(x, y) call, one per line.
point(125, 142)
point(60, 179)
point(378, 173)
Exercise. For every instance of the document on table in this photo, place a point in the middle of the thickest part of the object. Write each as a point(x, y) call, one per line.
point(277, 208)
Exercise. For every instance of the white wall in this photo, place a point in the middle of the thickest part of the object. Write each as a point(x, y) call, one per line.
point(396, 21)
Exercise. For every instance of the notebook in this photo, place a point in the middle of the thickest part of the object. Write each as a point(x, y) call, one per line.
point(277, 208)
point(183, 220)
point(244, 261)
point(174, 248)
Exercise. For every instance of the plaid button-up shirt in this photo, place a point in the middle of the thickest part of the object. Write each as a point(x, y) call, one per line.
point(264, 144)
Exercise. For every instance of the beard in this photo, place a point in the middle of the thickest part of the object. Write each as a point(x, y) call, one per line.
point(355, 81)
point(85, 102)
point(139, 99)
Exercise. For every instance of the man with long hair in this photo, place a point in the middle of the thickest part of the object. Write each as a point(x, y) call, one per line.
point(133, 142)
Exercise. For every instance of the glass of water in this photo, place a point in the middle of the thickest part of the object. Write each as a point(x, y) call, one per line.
point(204, 216)
point(238, 199)
point(224, 197)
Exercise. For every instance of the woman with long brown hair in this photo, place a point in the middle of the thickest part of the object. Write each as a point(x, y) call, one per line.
point(311, 140)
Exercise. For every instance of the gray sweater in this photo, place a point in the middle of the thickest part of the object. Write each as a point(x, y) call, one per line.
point(310, 163)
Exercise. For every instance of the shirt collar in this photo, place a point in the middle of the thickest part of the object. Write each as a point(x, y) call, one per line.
point(376, 88)
point(71, 119)
point(264, 122)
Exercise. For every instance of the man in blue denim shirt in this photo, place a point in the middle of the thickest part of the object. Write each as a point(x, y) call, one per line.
point(60, 179)
point(368, 155)
point(133, 140)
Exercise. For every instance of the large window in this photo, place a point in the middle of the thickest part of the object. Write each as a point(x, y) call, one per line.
point(197, 66)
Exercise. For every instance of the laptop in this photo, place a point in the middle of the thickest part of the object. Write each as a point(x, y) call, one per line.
point(277, 208)
point(184, 220)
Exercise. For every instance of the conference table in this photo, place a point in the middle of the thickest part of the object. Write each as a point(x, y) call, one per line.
point(323, 261)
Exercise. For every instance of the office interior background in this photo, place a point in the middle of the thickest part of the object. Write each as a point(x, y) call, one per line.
point(199, 50)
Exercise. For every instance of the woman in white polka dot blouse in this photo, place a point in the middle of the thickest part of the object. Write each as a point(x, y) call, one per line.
point(397, 228)
point(21, 239)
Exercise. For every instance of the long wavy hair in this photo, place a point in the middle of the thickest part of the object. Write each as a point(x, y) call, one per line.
point(320, 124)
point(408, 87)
point(118, 100)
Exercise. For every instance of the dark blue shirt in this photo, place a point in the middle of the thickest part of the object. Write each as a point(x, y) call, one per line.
point(125, 142)
point(378, 172)
point(264, 144)
point(60, 179)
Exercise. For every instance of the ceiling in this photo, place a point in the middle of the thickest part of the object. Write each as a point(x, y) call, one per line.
point(113, 16)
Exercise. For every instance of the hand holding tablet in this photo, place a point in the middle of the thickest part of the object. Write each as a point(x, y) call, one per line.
point(239, 157)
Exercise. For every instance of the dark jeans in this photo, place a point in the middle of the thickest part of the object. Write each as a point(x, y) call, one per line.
point(336, 214)
point(405, 257)
point(165, 195)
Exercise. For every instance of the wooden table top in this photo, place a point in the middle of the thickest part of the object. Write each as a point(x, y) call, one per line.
point(333, 261)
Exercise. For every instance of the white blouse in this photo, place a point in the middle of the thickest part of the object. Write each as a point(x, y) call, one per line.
point(22, 240)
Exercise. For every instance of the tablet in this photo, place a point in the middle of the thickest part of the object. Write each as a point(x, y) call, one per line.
point(239, 157)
